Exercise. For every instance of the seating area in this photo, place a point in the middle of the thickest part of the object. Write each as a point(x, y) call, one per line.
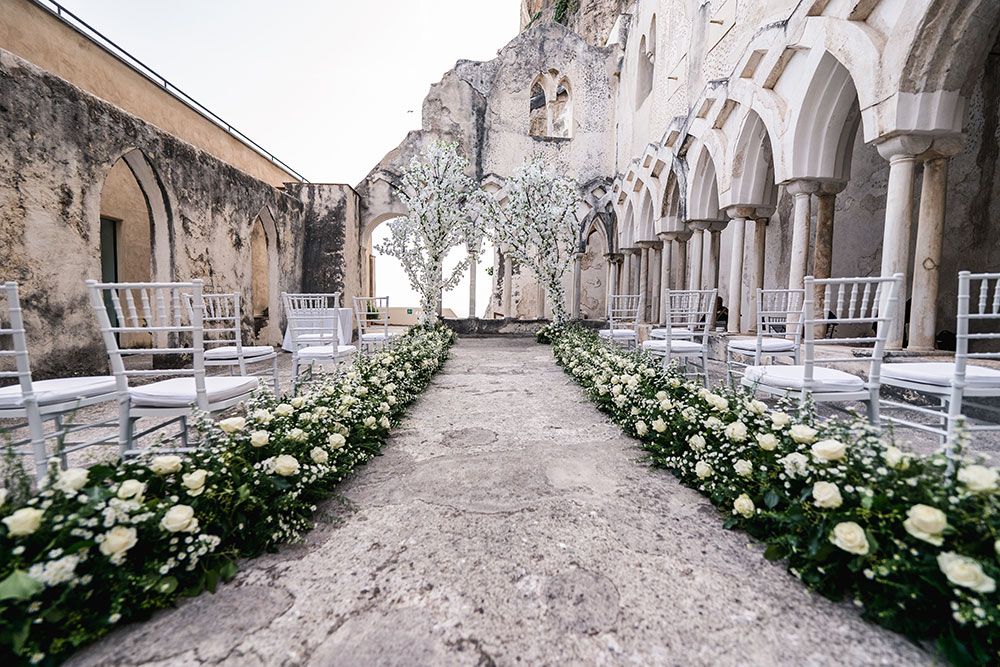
point(827, 344)
point(172, 349)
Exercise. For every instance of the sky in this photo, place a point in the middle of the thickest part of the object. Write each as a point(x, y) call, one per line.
point(328, 86)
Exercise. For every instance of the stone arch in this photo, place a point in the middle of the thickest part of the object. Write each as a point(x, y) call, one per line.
point(646, 62)
point(626, 231)
point(826, 124)
point(645, 225)
point(155, 242)
point(550, 106)
point(703, 198)
point(265, 276)
point(752, 165)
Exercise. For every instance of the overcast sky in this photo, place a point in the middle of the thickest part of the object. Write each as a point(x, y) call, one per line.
point(328, 86)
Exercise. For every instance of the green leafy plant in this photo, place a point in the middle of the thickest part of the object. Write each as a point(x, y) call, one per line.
point(101, 546)
point(910, 540)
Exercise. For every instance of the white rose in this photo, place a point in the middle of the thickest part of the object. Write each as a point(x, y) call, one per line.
point(894, 457)
point(319, 455)
point(179, 519)
point(336, 441)
point(795, 464)
point(24, 521)
point(826, 495)
point(259, 438)
point(233, 424)
point(165, 465)
point(195, 482)
point(298, 402)
point(703, 470)
point(369, 422)
point(966, 572)
point(780, 420)
point(926, 523)
point(361, 391)
point(72, 480)
point(285, 465)
point(850, 537)
point(640, 428)
point(803, 434)
point(662, 395)
point(697, 442)
point(262, 416)
point(297, 435)
point(713, 423)
point(384, 422)
point(284, 410)
point(744, 505)
point(737, 431)
point(117, 541)
point(757, 407)
point(767, 441)
point(666, 405)
point(659, 425)
point(131, 489)
point(827, 450)
point(743, 468)
point(978, 479)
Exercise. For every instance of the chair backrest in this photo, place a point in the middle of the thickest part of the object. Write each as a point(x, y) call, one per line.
point(693, 310)
point(313, 319)
point(623, 311)
point(982, 290)
point(372, 312)
point(14, 343)
point(174, 324)
point(870, 303)
point(779, 314)
point(222, 320)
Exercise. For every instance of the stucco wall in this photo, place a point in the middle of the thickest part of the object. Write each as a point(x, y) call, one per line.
point(57, 146)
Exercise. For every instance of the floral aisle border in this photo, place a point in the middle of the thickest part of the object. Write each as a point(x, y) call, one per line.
point(912, 544)
point(110, 544)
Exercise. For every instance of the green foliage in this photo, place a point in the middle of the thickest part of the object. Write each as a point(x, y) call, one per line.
point(910, 541)
point(563, 9)
point(112, 543)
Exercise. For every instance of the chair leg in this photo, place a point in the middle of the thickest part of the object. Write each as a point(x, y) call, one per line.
point(36, 430)
point(125, 427)
point(274, 374)
point(61, 439)
point(184, 431)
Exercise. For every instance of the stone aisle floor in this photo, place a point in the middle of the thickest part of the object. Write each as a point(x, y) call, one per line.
point(509, 523)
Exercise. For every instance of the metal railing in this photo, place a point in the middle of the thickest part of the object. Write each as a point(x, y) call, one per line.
point(147, 72)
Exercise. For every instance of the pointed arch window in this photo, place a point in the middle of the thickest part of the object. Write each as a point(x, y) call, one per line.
point(550, 107)
point(646, 63)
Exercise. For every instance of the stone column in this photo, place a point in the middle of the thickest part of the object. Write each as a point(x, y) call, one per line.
point(801, 190)
point(713, 236)
point(901, 153)
point(739, 215)
point(681, 254)
point(508, 284)
point(655, 272)
point(473, 265)
point(625, 284)
point(664, 275)
point(823, 250)
point(694, 279)
point(930, 233)
point(614, 271)
point(541, 302)
point(756, 272)
point(636, 270)
point(577, 284)
point(643, 283)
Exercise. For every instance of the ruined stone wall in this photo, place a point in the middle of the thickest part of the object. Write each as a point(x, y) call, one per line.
point(57, 145)
point(591, 19)
point(331, 239)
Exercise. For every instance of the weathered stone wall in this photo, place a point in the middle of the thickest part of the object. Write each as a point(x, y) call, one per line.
point(591, 19)
point(57, 145)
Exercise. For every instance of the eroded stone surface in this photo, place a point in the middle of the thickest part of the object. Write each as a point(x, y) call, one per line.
point(546, 544)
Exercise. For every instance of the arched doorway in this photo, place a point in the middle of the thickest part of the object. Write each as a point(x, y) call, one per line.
point(265, 272)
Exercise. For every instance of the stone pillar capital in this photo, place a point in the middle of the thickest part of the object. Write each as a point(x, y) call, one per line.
point(802, 186)
point(831, 188)
point(683, 236)
point(764, 213)
point(648, 244)
point(903, 146)
point(667, 236)
point(739, 211)
point(944, 147)
point(615, 257)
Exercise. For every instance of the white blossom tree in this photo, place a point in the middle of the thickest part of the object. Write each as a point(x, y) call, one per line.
point(538, 225)
point(442, 213)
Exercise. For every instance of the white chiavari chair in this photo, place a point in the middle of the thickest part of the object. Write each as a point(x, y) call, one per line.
point(688, 318)
point(952, 383)
point(779, 332)
point(866, 305)
point(623, 320)
point(314, 328)
point(152, 320)
point(36, 402)
point(372, 314)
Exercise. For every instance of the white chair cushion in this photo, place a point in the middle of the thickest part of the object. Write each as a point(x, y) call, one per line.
point(676, 347)
point(616, 333)
point(825, 380)
point(229, 352)
point(675, 332)
point(49, 392)
point(766, 345)
point(317, 336)
point(326, 351)
point(180, 392)
point(941, 374)
point(381, 335)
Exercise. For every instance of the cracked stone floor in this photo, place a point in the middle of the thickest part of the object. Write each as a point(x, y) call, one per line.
point(509, 523)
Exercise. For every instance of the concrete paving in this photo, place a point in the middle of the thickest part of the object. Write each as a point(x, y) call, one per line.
point(509, 523)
